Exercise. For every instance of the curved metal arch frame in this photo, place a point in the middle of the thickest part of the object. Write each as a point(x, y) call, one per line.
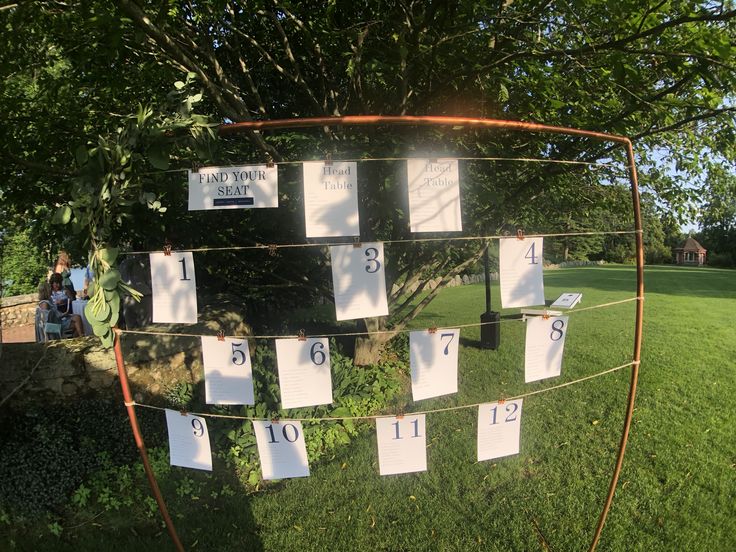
point(373, 120)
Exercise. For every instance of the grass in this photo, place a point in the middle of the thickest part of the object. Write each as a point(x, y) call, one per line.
point(677, 490)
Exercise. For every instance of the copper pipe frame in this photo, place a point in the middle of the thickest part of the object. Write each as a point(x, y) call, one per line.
point(130, 406)
point(368, 120)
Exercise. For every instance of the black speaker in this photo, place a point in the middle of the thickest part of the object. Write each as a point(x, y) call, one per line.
point(490, 334)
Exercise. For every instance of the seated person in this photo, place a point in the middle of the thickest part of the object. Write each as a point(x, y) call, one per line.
point(61, 300)
point(64, 267)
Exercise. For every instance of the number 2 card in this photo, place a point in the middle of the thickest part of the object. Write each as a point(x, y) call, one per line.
point(402, 444)
point(499, 429)
point(281, 448)
point(545, 343)
point(304, 372)
point(520, 279)
point(173, 288)
point(228, 373)
point(433, 360)
point(189, 442)
point(359, 281)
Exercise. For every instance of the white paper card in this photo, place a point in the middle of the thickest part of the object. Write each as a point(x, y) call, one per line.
point(281, 448)
point(520, 264)
point(228, 373)
point(499, 429)
point(402, 444)
point(434, 195)
point(359, 281)
point(567, 300)
point(189, 441)
point(545, 342)
point(304, 372)
point(433, 361)
point(173, 288)
point(331, 199)
point(241, 187)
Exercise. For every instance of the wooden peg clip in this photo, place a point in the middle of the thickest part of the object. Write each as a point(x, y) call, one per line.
point(501, 400)
point(273, 249)
point(221, 335)
point(519, 234)
point(195, 167)
point(328, 160)
point(301, 336)
point(545, 315)
point(357, 242)
point(432, 330)
point(269, 162)
point(167, 248)
point(399, 416)
point(183, 412)
point(276, 420)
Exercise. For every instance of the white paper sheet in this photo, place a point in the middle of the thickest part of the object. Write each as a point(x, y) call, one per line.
point(520, 264)
point(331, 199)
point(359, 281)
point(499, 429)
point(433, 361)
point(189, 441)
point(545, 343)
point(228, 373)
point(567, 300)
point(241, 187)
point(173, 288)
point(434, 195)
point(282, 449)
point(402, 444)
point(304, 372)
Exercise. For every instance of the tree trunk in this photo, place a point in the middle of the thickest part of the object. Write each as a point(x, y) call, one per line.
point(368, 348)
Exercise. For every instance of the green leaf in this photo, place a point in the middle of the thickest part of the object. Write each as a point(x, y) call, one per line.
point(179, 85)
point(340, 412)
point(109, 280)
point(109, 254)
point(159, 158)
point(62, 215)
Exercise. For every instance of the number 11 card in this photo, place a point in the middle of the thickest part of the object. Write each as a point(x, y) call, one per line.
point(402, 444)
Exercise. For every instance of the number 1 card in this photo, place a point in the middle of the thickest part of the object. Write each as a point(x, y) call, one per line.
point(433, 361)
point(228, 374)
point(520, 262)
point(173, 288)
point(545, 342)
point(359, 281)
point(304, 372)
point(282, 449)
point(402, 444)
point(499, 429)
point(189, 442)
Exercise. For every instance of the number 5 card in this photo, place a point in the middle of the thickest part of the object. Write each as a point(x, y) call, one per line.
point(304, 372)
point(499, 429)
point(282, 449)
point(228, 373)
point(545, 342)
point(173, 288)
point(520, 262)
point(189, 442)
point(402, 444)
point(433, 360)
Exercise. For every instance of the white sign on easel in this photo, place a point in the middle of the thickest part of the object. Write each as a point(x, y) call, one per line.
point(241, 187)
point(281, 448)
point(331, 199)
point(520, 268)
point(359, 281)
point(434, 195)
point(173, 288)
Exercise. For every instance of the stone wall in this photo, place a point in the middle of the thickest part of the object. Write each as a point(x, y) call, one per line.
point(19, 310)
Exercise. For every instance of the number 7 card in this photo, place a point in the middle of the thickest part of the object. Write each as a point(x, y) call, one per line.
point(433, 360)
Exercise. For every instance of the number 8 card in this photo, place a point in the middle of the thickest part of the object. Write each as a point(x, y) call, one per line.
point(545, 343)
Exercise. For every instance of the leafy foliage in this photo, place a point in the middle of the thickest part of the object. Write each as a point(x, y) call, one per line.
point(22, 266)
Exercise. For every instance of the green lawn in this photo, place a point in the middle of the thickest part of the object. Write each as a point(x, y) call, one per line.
point(677, 490)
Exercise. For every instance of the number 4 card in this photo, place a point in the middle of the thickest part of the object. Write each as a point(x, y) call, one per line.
point(402, 444)
point(520, 262)
point(304, 372)
point(545, 342)
point(281, 448)
point(173, 288)
point(228, 374)
point(189, 442)
point(433, 360)
point(499, 429)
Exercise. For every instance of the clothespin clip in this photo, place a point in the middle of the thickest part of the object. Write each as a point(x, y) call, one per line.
point(221, 335)
point(432, 329)
point(400, 415)
point(167, 248)
point(328, 159)
point(357, 242)
point(519, 234)
point(301, 336)
point(501, 400)
point(272, 249)
point(183, 412)
point(269, 162)
point(275, 420)
point(545, 315)
point(195, 167)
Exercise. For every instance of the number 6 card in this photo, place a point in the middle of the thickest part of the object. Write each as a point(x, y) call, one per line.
point(545, 342)
point(173, 288)
point(359, 281)
point(282, 449)
point(228, 373)
point(499, 429)
point(304, 372)
point(189, 442)
point(433, 360)
point(520, 279)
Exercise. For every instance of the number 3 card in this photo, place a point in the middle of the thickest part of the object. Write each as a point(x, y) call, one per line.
point(228, 375)
point(545, 342)
point(189, 442)
point(281, 448)
point(359, 281)
point(433, 360)
point(499, 429)
point(520, 262)
point(402, 444)
point(173, 288)
point(304, 372)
